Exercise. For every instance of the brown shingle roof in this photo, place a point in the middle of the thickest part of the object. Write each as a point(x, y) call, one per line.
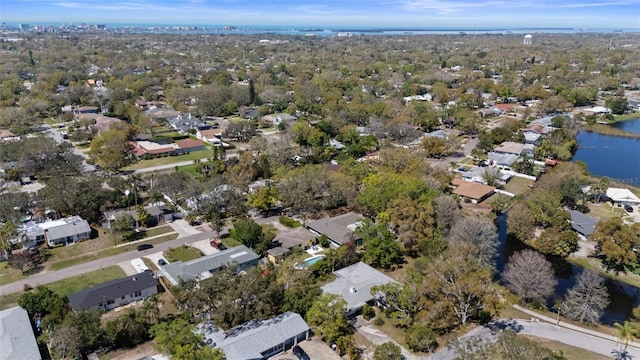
point(472, 190)
point(189, 143)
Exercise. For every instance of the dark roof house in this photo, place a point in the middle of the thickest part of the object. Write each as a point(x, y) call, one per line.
point(115, 293)
point(581, 223)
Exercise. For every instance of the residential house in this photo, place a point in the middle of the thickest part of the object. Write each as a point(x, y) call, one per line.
point(202, 267)
point(277, 119)
point(472, 191)
point(633, 105)
point(503, 161)
point(85, 110)
point(532, 137)
point(102, 122)
point(288, 240)
point(115, 293)
point(257, 339)
point(184, 122)
point(211, 136)
point(509, 147)
point(17, 339)
point(540, 129)
point(161, 113)
point(480, 175)
point(158, 213)
point(55, 232)
point(582, 224)
point(7, 135)
point(424, 97)
point(145, 149)
point(353, 283)
point(622, 196)
point(338, 229)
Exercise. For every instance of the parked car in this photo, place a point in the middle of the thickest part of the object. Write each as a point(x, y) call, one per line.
point(143, 247)
point(300, 353)
point(462, 169)
point(162, 262)
point(628, 208)
point(33, 250)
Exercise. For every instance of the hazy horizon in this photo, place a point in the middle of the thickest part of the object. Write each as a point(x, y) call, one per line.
point(467, 14)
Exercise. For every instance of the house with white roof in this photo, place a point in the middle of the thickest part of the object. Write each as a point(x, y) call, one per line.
point(202, 267)
point(55, 232)
point(622, 196)
point(353, 283)
point(17, 340)
point(257, 339)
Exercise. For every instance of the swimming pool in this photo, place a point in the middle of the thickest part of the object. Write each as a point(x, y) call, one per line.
point(312, 260)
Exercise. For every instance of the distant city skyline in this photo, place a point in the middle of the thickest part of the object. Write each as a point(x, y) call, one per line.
point(468, 14)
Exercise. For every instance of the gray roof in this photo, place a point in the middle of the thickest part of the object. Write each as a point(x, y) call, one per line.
point(17, 340)
point(97, 294)
point(74, 226)
point(295, 237)
point(354, 284)
point(338, 229)
point(249, 340)
point(582, 223)
point(502, 159)
point(192, 269)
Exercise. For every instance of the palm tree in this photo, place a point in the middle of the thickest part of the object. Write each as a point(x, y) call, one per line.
point(150, 308)
point(626, 332)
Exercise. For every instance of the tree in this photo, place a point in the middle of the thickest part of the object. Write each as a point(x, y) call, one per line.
point(264, 198)
point(20, 260)
point(170, 336)
point(616, 243)
point(586, 300)
point(128, 330)
point(481, 232)
point(42, 301)
point(420, 337)
point(387, 351)
point(530, 276)
point(250, 234)
point(446, 211)
point(520, 222)
point(626, 333)
point(460, 284)
point(380, 248)
point(110, 149)
point(327, 317)
point(123, 225)
point(8, 231)
point(618, 104)
point(79, 334)
point(405, 301)
point(435, 147)
point(508, 346)
point(413, 222)
point(557, 242)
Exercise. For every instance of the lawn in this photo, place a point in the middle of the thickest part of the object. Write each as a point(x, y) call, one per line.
point(518, 185)
point(191, 170)
point(72, 284)
point(195, 155)
point(604, 211)
point(183, 253)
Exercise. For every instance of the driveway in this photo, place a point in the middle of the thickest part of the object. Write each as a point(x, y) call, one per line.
point(314, 347)
point(183, 228)
point(205, 247)
point(156, 256)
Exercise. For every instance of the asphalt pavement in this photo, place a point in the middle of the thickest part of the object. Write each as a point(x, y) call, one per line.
point(52, 276)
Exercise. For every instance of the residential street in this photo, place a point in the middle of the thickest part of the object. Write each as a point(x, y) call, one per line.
point(51, 276)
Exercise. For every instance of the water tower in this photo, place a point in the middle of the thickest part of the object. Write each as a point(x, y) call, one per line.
point(527, 39)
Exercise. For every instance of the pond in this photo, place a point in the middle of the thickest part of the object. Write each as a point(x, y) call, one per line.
point(623, 298)
point(615, 157)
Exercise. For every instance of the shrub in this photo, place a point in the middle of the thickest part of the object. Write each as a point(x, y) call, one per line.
point(289, 222)
point(26, 287)
point(378, 321)
point(368, 312)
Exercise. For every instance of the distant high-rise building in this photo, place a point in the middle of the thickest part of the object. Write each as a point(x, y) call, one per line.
point(24, 27)
point(527, 39)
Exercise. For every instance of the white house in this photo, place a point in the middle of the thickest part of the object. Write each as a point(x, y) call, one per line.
point(115, 293)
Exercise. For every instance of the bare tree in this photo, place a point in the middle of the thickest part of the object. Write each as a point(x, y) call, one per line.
point(530, 276)
point(481, 233)
point(586, 300)
point(20, 260)
point(446, 209)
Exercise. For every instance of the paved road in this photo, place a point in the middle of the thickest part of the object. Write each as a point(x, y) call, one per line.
point(173, 165)
point(596, 344)
point(51, 276)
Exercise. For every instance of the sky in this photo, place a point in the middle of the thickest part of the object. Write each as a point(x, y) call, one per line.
point(457, 14)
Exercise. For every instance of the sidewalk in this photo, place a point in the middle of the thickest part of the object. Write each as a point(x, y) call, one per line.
point(146, 239)
point(573, 327)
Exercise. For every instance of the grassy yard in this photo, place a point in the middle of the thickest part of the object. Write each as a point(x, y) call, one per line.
point(604, 210)
point(72, 284)
point(183, 253)
point(195, 155)
point(518, 185)
point(191, 170)
point(62, 257)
